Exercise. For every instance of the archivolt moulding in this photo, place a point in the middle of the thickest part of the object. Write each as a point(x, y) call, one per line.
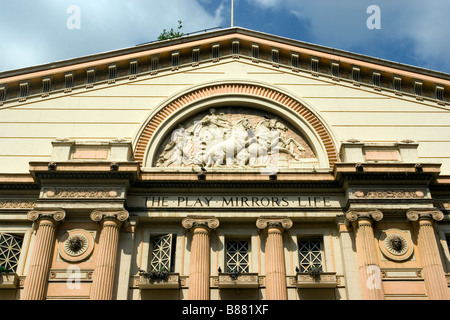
point(236, 93)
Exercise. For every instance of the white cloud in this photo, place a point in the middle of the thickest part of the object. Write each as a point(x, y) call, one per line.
point(420, 27)
point(39, 34)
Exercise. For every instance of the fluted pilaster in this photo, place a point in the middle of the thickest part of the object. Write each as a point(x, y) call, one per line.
point(369, 269)
point(276, 287)
point(433, 272)
point(103, 282)
point(37, 275)
point(199, 272)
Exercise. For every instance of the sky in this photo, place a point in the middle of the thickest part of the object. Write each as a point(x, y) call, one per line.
point(412, 32)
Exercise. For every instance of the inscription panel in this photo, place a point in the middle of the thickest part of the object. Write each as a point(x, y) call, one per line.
point(166, 201)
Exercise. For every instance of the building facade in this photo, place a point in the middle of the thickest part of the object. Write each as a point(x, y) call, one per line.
point(226, 165)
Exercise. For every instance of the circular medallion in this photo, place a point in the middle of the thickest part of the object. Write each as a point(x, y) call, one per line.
point(76, 245)
point(395, 245)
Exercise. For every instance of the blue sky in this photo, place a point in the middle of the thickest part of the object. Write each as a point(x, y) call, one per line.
point(413, 32)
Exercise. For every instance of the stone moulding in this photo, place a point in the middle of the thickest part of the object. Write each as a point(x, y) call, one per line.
point(8, 280)
point(172, 282)
point(389, 194)
point(324, 280)
point(62, 193)
point(242, 281)
point(17, 204)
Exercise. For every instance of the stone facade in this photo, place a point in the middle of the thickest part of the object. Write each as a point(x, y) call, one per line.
point(231, 177)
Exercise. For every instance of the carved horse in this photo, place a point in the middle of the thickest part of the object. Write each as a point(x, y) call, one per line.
point(225, 152)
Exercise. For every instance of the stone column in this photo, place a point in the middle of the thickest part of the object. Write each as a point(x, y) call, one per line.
point(104, 272)
point(37, 275)
point(276, 287)
point(369, 269)
point(199, 271)
point(433, 272)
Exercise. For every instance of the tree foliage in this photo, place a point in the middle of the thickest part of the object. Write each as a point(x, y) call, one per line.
point(166, 35)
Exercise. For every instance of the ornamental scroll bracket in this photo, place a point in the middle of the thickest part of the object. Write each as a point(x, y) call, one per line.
point(119, 215)
point(433, 214)
point(206, 222)
point(51, 214)
point(353, 216)
point(277, 222)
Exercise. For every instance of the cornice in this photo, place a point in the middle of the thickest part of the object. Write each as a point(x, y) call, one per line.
point(56, 71)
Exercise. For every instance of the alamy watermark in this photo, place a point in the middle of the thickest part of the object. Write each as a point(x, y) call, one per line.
point(74, 20)
point(374, 20)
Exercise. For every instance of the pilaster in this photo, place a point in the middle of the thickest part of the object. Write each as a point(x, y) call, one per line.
point(199, 272)
point(276, 287)
point(369, 269)
point(103, 282)
point(433, 272)
point(36, 279)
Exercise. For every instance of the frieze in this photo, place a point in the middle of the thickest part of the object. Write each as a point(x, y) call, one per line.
point(388, 194)
point(17, 204)
point(59, 193)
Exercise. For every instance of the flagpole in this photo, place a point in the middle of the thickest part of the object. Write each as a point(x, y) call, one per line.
point(232, 13)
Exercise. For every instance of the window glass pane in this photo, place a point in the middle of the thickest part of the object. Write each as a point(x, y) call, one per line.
point(10, 246)
point(310, 255)
point(237, 256)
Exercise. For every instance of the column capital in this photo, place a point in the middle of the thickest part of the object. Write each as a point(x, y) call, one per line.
point(277, 222)
point(198, 221)
point(354, 215)
point(120, 215)
point(49, 214)
point(418, 214)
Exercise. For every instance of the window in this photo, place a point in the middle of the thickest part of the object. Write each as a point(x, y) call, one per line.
point(195, 56)
point(2, 94)
point(418, 85)
point(335, 71)
point(315, 67)
point(163, 253)
point(46, 85)
point(215, 52)
point(237, 256)
point(255, 52)
point(10, 246)
point(133, 68)
point(112, 73)
point(24, 90)
point(295, 61)
point(356, 75)
point(440, 93)
point(175, 60)
point(310, 255)
point(154, 64)
point(68, 78)
point(376, 80)
point(275, 56)
point(398, 85)
point(90, 78)
point(235, 48)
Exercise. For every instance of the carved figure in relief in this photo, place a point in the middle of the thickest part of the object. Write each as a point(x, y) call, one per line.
point(224, 153)
point(214, 141)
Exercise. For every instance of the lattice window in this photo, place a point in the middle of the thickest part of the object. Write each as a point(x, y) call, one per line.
point(10, 246)
point(238, 255)
point(163, 252)
point(310, 255)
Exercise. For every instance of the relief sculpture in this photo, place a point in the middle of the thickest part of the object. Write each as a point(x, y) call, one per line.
point(235, 137)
